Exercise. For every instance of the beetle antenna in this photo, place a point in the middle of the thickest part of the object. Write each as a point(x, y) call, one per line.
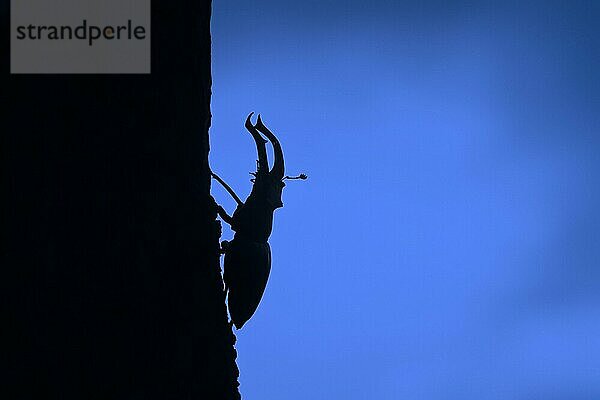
point(301, 176)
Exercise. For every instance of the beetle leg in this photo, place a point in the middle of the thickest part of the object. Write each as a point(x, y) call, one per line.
point(227, 187)
point(224, 246)
point(224, 216)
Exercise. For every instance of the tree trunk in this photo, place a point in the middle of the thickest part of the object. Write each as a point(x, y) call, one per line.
point(110, 279)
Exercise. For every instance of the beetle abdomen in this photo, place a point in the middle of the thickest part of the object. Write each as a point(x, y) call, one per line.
point(246, 270)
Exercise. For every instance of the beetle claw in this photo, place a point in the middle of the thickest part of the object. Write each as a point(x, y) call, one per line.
point(248, 123)
point(278, 169)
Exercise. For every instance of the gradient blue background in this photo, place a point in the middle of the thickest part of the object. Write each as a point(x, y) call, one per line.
point(447, 243)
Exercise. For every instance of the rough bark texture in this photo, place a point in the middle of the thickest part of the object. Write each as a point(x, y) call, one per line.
point(110, 273)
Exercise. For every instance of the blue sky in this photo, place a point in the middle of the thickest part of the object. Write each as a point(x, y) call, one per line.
point(447, 242)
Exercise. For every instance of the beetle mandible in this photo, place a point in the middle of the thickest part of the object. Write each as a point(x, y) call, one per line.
point(247, 263)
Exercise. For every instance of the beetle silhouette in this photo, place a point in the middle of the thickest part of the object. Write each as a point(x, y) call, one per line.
point(247, 263)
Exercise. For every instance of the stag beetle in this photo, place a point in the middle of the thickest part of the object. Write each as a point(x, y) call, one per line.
point(247, 261)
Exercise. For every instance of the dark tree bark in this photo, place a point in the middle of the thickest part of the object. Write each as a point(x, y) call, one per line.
point(111, 287)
